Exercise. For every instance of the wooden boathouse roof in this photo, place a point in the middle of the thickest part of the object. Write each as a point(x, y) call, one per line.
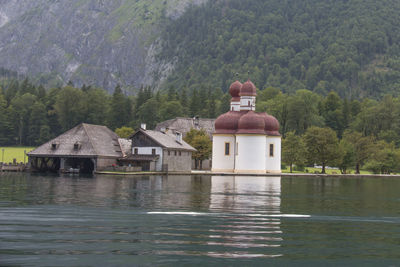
point(84, 140)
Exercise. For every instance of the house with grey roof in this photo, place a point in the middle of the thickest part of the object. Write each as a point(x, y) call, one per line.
point(84, 148)
point(184, 125)
point(159, 151)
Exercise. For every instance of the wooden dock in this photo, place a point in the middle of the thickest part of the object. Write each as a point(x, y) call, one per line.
point(12, 167)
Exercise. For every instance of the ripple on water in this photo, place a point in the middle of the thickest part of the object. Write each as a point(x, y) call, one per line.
point(61, 221)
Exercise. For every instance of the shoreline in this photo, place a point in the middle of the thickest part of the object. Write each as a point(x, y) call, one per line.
point(209, 173)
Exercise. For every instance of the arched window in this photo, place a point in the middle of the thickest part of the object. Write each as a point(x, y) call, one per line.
point(227, 149)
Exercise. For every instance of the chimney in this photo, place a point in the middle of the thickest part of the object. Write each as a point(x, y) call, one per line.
point(143, 126)
point(178, 137)
point(196, 121)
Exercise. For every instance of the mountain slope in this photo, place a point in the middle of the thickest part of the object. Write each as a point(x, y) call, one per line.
point(87, 41)
point(349, 46)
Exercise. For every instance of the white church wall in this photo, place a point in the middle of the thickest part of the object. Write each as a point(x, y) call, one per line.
point(273, 163)
point(251, 154)
point(220, 161)
point(235, 106)
point(248, 103)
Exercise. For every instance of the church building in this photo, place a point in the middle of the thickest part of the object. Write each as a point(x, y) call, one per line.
point(246, 141)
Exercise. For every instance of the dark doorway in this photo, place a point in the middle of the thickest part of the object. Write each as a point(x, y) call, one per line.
point(84, 165)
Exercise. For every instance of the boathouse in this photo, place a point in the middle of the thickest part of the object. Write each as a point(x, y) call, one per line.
point(159, 151)
point(85, 148)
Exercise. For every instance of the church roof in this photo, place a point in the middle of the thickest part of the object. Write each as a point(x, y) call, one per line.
point(84, 140)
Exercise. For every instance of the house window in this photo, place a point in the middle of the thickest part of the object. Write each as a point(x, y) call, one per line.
point(169, 153)
point(227, 148)
point(175, 152)
point(249, 103)
point(136, 151)
point(271, 150)
point(153, 151)
point(180, 153)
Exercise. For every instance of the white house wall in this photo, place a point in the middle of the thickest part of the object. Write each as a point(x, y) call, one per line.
point(220, 161)
point(148, 151)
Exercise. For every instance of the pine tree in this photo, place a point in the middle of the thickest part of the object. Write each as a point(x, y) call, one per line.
point(37, 120)
point(194, 103)
point(119, 110)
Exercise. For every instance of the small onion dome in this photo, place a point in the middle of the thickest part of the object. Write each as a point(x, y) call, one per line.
point(251, 123)
point(234, 90)
point(227, 123)
point(248, 89)
point(271, 124)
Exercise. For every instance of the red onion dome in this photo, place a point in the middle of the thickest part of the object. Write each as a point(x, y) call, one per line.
point(271, 124)
point(251, 123)
point(234, 90)
point(227, 123)
point(248, 89)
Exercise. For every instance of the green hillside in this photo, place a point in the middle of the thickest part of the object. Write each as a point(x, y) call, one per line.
point(349, 46)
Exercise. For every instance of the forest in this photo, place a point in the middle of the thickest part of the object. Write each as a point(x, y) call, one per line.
point(31, 115)
point(324, 68)
point(346, 46)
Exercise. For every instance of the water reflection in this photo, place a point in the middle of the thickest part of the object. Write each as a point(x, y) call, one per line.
point(248, 199)
point(189, 220)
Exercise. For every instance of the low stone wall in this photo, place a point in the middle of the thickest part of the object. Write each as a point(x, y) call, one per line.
point(123, 169)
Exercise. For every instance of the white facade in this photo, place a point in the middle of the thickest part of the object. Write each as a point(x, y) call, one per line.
point(249, 153)
point(246, 141)
point(222, 162)
point(250, 156)
point(235, 105)
point(149, 151)
point(273, 160)
point(248, 103)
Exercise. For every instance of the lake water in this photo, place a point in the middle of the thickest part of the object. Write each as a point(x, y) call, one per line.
point(198, 220)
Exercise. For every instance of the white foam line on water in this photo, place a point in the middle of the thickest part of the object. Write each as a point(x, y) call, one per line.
point(218, 214)
point(280, 215)
point(179, 213)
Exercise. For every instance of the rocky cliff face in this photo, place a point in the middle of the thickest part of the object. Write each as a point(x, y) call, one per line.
point(87, 41)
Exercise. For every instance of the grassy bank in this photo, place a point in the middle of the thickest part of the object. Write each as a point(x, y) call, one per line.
point(11, 153)
point(328, 171)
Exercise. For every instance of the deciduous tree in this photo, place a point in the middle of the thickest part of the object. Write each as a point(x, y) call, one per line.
point(293, 150)
point(322, 146)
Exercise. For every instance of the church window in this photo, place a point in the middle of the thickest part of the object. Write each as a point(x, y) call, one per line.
point(271, 150)
point(227, 149)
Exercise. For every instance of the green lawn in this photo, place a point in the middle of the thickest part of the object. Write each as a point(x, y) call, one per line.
point(328, 171)
point(11, 153)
